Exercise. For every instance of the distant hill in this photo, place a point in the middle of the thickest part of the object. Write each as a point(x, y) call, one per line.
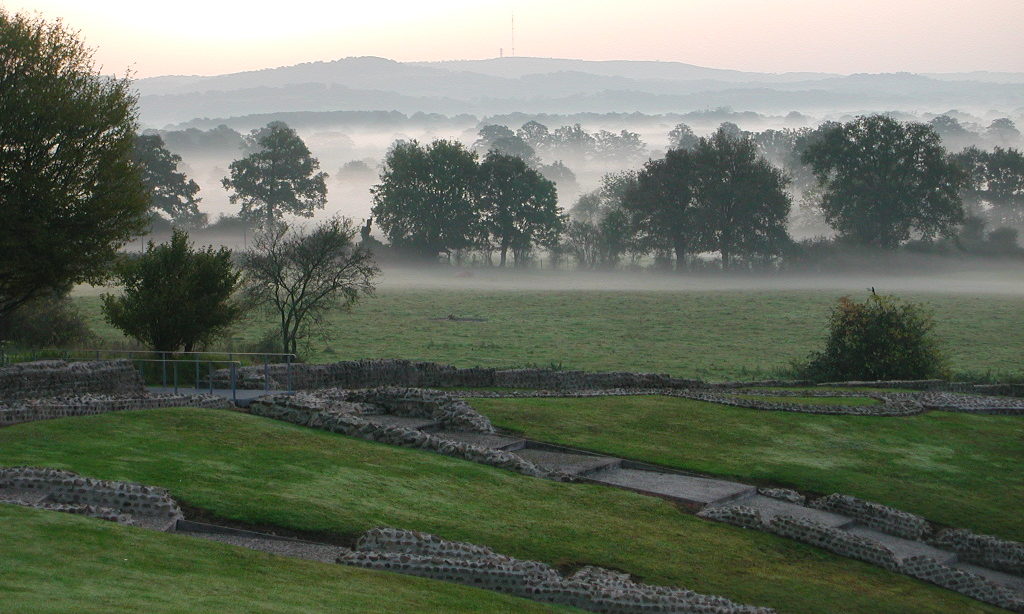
point(541, 85)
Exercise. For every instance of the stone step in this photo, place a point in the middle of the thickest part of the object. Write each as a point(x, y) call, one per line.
point(576, 464)
point(30, 496)
point(486, 440)
point(999, 577)
point(687, 489)
point(903, 548)
point(770, 508)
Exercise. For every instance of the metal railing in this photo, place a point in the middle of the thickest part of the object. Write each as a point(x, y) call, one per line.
point(170, 360)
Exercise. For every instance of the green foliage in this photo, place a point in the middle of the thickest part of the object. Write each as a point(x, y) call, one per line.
point(719, 195)
point(300, 276)
point(882, 338)
point(48, 321)
point(519, 207)
point(70, 195)
point(175, 297)
point(171, 192)
point(883, 180)
point(502, 140)
point(279, 176)
point(425, 200)
point(995, 183)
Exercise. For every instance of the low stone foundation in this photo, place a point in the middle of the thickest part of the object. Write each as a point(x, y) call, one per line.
point(346, 412)
point(395, 372)
point(30, 410)
point(875, 515)
point(961, 581)
point(56, 489)
point(48, 378)
point(592, 588)
point(984, 550)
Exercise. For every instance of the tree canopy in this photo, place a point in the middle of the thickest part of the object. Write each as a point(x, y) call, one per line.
point(70, 195)
point(171, 192)
point(279, 176)
point(740, 200)
point(175, 297)
point(425, 201)
point(883, 180)
point(518, 205)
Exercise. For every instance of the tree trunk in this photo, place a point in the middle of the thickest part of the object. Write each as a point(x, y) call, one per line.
point(504, 254)
point(680, 249)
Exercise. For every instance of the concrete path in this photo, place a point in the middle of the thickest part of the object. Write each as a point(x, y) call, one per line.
point(241, 397)
point(697, 492)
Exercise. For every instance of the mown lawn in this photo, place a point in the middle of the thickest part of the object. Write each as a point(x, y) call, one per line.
point(53, 562)
point(958, 469)
point(265, 472)
point(715, 335)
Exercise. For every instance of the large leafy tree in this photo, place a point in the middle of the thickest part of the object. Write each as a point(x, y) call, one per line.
point(301, 275)
point(518, 205)
point(740, 201)
point(883, 180)
point(171, 192)
point(175, 297)
point(425, 201)
point(661, 204)
point(279, 176)
point(995, 184)
point(70, 195)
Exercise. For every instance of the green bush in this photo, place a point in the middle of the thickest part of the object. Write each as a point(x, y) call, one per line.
point(47, 322)
point(883, 338)
point(175, 296)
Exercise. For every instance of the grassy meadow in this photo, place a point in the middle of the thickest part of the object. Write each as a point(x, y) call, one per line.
point(707, 334)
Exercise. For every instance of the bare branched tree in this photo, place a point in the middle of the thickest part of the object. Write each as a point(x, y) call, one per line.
point(301, 275)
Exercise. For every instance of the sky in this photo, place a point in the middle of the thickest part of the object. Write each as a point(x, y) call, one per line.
point(208, 37)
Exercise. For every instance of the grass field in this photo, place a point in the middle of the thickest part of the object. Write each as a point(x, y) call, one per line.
point(61, 563)
point(959, 469)
point(707, 334)
point(265, 472)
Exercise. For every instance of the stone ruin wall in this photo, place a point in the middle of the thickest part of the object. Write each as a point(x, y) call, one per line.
point(980, 549)
point(50, 378)
point(375, 373)
point(112, 500)
point(592, 588)
point(92, 404)
point(345, 412)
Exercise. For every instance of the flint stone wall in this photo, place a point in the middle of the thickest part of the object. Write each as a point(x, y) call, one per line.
point(48, 378)
point(593, 589)
point(394, 372)
point(875, 515)
point(962, 581)
point(834, 540)
point(984, 550)
point(67, 488)
point(30, 410)
point(346, 421)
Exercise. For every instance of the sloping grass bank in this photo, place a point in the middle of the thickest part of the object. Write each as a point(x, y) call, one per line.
point(265, 472)
point(958, 469)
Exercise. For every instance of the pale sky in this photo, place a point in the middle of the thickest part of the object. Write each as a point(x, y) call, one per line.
point(214, 36)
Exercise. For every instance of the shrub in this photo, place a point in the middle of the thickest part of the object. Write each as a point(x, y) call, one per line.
point(175, 296)
point(49, 321)
point(883, 338)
